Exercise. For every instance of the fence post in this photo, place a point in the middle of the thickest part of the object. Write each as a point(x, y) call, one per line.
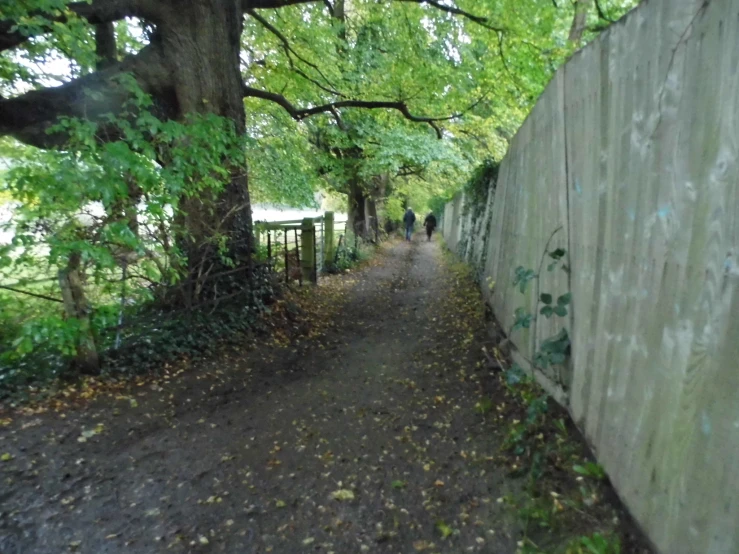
point(269, 248)
point(328, 238)
point(257, 236)
point(315, 257)
point(297, 255)
point(322, 258)
point(307, 243)
point(287, 262)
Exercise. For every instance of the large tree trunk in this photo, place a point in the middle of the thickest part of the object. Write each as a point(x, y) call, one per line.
point(377, 199)
point(201, 43)
point(356, 213)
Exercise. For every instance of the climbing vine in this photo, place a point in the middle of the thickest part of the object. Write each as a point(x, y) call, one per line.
point(553, 351)
point(479, 184)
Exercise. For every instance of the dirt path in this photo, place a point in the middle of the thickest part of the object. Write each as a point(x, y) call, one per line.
point(364, 438)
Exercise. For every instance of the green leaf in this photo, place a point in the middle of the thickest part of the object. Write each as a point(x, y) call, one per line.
point(547, 311)
point(484, 405)
point(343, 494)
point(557, 358)
point(444, 529)
point(561, 311)
point(398, 484)
point(541, 360)
point(564, 299)
point(515, 375)
point(558, 254)
point(546, 298)
point(590, 469)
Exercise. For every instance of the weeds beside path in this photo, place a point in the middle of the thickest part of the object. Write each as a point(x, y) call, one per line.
point(377, 428)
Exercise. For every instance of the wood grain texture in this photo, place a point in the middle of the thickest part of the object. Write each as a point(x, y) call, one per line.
point(634, 148)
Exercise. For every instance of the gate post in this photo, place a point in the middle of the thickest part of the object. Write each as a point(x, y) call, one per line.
point(307, 245)
point(329, 249)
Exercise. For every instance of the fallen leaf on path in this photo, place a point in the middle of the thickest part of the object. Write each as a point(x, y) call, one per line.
point(343, 494)
point(444, 529)
point(89, 433)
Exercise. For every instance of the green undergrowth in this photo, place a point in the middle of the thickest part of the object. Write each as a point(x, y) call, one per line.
point(565, 503)
point(149, 338)
point(350, 254)
point(152, 339)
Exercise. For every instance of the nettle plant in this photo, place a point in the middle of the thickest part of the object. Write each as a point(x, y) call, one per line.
point(553, 351)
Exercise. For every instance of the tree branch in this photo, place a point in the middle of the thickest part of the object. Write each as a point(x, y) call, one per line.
point(271, 4)
point(107, 11)
point(482, 21)
point(290, 50)
point(100, 11)
point(301, 113)
point(28, 117)
point(105, 45)
point(330, 7)
point(34, 294)
point(579, 21)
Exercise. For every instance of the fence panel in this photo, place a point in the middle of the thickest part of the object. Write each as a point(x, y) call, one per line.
point(633, 148)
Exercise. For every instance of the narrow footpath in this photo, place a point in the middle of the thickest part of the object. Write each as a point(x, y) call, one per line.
point(362, 436)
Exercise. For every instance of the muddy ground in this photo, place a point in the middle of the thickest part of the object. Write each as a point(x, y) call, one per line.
point(360, 431)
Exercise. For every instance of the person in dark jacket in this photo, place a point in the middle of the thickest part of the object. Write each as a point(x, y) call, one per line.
point(430, 224)
point(409, 219)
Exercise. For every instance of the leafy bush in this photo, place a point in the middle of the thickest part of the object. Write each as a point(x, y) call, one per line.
point(122, 235)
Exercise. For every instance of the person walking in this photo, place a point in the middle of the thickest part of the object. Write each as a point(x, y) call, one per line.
point(430, 224)
point(409, 219)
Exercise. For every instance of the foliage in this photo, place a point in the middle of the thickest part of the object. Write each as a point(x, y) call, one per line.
point(538, 441)
point(590, 469)
point(283, 169)
point(123, 222)
point(552, 351)
point(412, 53)
point(150, 338)
point(352, 251)
point(595, 544)
point(483, 178)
